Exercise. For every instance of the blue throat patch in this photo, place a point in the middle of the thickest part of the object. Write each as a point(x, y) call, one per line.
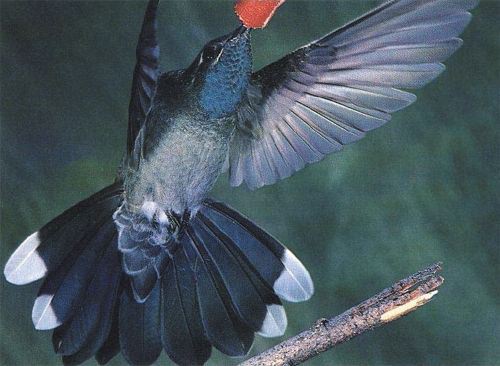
point(226, 82)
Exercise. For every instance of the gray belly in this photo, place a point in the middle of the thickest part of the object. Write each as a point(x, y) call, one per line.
point(182, 169)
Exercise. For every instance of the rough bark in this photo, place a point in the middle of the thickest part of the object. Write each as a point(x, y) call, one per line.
point(392, 303)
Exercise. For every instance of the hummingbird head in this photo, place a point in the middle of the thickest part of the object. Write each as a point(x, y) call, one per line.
point(222, 72)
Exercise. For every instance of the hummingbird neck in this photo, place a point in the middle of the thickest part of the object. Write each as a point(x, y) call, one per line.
point(227, 81)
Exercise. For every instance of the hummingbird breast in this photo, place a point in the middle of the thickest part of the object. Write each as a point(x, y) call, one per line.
point(182, 166)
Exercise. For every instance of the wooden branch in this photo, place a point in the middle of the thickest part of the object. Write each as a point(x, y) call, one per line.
point(392, 303)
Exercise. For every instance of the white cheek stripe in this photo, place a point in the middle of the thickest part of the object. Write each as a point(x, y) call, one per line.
point(219, 56)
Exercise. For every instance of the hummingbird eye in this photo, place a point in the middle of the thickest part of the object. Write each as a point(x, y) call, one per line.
point(212, 52)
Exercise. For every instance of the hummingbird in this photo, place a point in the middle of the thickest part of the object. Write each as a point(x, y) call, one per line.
point(151, 262)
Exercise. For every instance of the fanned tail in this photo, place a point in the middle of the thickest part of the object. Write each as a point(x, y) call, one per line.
point(77, 255)
point(221, 280)
point(225, 284)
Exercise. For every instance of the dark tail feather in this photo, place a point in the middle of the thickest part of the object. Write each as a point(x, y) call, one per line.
point(80, 338)
point(250, 296)
point(66, 250)
point(65, 288)
point(224, 328)
point(182, 332)
point(111, 347)
point(44, 251)
point(78, 254)
point(139, 328)
point(236, 273)
point(277, 266)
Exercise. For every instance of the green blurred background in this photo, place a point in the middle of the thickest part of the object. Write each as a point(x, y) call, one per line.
point(421, 189)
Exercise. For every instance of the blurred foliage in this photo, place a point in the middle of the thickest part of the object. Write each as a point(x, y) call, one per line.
point(421, 189)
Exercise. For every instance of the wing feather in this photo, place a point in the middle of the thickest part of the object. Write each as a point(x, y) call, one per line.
point(145, 75)
point(330, 92)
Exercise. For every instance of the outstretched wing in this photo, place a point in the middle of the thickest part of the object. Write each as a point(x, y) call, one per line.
point(329, 93)
point(145, 75)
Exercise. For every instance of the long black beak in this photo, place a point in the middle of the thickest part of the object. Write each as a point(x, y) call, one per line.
point(238, 32)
